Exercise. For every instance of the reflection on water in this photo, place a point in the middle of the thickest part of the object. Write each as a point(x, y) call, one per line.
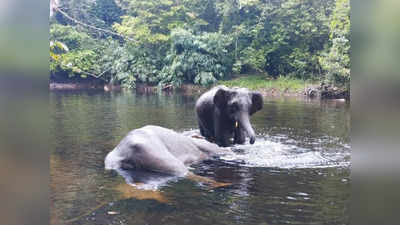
point(296, 172)
point(145, 180)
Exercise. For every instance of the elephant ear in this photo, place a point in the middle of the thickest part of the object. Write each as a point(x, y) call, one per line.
point(221, 98)
point(256, 102)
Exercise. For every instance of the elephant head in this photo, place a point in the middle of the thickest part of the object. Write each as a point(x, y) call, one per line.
point(238, 104)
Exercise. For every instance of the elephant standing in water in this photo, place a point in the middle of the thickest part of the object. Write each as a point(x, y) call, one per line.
point(225, 112)
point(158, 149)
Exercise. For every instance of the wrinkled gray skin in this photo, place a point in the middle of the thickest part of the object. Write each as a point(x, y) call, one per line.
point(159, 149)
point(220, 108)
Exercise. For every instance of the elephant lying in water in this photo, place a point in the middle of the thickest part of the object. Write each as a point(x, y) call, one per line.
point(158, 149)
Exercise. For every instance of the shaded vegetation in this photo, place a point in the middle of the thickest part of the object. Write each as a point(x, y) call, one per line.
point(171, 42)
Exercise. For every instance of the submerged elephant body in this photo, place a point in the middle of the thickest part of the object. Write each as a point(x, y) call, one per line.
point(159, 149)
point(224, 113)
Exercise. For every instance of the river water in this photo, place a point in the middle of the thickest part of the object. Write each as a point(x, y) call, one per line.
point(297, 172)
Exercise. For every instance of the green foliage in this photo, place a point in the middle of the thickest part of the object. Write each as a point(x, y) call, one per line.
point(150, 22)
point(71, 37)
point(301, 64)
point(116, 60)
point(206, 12)
point(106, 13)
point(56, 48)
point(255, 58)
point(72, 52)
point(98, 13)
point(298, 32)
point(139, 31)
point(199, 59)
point(336, 63)
point(203, 41)
point(340, 21)
point(76, 62)
point(126, 65)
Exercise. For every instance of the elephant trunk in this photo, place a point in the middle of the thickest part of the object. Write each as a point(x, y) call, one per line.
point(244, 122)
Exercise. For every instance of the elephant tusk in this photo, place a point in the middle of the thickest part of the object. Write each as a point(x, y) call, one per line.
point(236, 124)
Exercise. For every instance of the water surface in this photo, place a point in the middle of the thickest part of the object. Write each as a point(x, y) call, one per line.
point(297, 172)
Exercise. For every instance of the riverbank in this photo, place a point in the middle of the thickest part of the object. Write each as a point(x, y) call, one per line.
point(282, 86)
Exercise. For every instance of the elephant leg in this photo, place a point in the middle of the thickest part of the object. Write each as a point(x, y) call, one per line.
point(206, 132)
point(203, 130)
point(220, 137)
point(240, 136)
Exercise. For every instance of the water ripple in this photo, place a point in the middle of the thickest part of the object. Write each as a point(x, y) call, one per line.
point(265, 153)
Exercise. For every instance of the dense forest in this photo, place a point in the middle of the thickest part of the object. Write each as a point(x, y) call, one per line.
point(173, 42)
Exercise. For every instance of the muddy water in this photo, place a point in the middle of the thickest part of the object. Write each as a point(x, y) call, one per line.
point(297, 172)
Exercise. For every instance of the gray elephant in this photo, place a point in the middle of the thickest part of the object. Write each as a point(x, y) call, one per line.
point(223, 113)
point(158, 149)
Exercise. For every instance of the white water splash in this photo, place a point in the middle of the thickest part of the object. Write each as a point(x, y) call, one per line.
point(263, 153)
point(266, 153)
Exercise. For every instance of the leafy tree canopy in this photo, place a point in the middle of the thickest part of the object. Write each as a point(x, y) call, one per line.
point(202, 41)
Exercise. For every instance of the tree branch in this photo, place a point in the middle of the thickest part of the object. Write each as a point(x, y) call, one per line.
point(89, 26)
point(96, 76)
